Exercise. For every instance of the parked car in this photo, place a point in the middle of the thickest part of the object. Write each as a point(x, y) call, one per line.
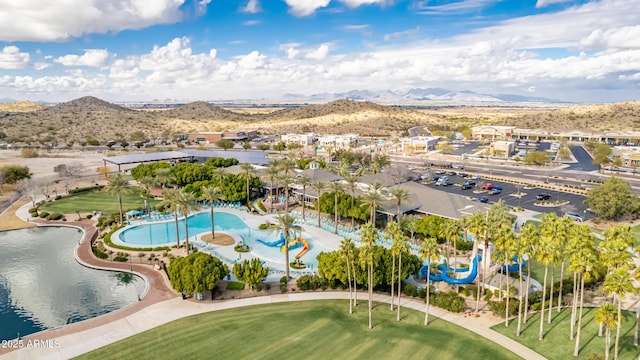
point(543, 196)
point(475, 177)
point(452, 173)
point(446, 182)
point(466, 186)
point(440, 172)
point(575, 216)
point(487, 186)
point(495, 187)
point(463, 175)
point(494, 191)
point(442, 180)
point(483, 199)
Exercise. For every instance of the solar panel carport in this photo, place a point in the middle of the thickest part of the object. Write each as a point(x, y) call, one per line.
point(147, 157)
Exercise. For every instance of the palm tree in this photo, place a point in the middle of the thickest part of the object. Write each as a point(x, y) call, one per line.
point(147, 182)
point(218, 174)
point(369, 236)
point(505, 241)
point(520, 248)
point(429, 251)
point(247, 172)
point(346, 248)
point(606, 315)
point(185, 202)
point(393, 236)
point(171, 200)
point(318, 186)
point(566, 225)
point(336, 188)
point(529, 236)
point(303, 181)
point(399, 195)
point(211, 194)
point(164, 176)
point(543, 254)
point(451, 231)
point(351, 181)
point(400, 246)
point(284, 223)
point(272, 172)
point(372, 198)
point(477, 225)
point(286, 180)
point(551, 233)
point(117, 184)
point(617, 283)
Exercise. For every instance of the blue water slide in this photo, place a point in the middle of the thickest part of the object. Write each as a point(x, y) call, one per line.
point(514, 267)
point(443, 276)
point(278, 242)
point(432, 277)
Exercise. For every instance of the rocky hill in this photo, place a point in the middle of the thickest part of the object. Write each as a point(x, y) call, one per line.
point(21, 107)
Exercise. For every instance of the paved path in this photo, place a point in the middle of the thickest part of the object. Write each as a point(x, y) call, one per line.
point(80, 342)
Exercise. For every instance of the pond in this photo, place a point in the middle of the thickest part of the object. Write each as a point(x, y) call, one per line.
point(42, 286)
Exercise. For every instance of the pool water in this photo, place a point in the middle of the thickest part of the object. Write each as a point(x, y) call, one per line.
point(42, 286)
point(158, 234)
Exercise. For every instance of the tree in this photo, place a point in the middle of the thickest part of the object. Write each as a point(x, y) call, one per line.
point(372, 198)
point(477, 224)
point(379, 162)
point(451, 231)
point(251, 272)
point(544, 255)
point(347, 249)
point(286, 180)
point(551, 232)
point(185, 201)
point(246, 145)
point(196, 272)
point(170, 201)
point(351, 181)
point(536, 158)
point(429, 251)
point(399, 195)
point(280, 146)
point(444, 147)
point(164, 176)
point(117, 184)
point(336, 188)
point(606, 315)
point(612, 199)
point(303, 181)
point(247, 172)
point(218, 173)
point(318, 186)
point(225, 144)
point(14, 173)
point(368, 237)
point(529, 236)
point(212, 195)
point(617, 283)
point(399, 246)
point(272, 172)
point(601, 153)
point(286, 222)
point(147, 183)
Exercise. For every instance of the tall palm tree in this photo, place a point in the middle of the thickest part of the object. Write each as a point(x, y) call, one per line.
point(369, 236)
point(477, 224)
point(451, 231)
point(401, 246)
point(318, 186)
point(303, 181)
point(186, 202)
point(286, 180)
point(286, 222)
point(551, 233)
point(163, 176)
point(566, 225)
point(211, 194)
point(606, 315)
point(521, 248)
point(617, 283)
point(346, 248)
point(544, 255)
point(272, 172)
point(529, 235)
point(336, 188)
point(218, 173)
point(505, 242)
point(147, 183)
point(392, 235)
point(352, 181)
point(429, 251)
point(372, 198)
point(117, 184)
point(247, 172)
point(399, 195)
point(170, 200)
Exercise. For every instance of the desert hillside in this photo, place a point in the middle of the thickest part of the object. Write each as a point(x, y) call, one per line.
point(89, 119)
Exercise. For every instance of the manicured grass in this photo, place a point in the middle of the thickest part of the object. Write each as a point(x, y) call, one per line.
point(556, 343)
point(97, 200)
point(304, 330)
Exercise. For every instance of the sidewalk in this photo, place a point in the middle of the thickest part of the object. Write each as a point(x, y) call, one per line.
point(160, 313)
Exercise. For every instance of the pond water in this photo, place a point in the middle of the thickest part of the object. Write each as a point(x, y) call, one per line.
point(42, 286)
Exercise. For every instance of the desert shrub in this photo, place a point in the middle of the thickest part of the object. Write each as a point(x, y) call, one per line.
point(29, 153)
point(449, 301)
point(43, 214)
point(55, 216)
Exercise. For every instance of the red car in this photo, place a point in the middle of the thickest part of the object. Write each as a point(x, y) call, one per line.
point(487, 186)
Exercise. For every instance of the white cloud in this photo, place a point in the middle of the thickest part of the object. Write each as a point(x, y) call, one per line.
point(305, 7)
point(63, 20)
point(543, 3)
point(355, 27)
point(292, 52)
point(251, 22)
point(458, 7)
point(253, 60)
point(356, 3)
point(627, 37)
point(319, 54)
point(11, 58)
point(252, 7)
point(411, 33)
point(91, 57)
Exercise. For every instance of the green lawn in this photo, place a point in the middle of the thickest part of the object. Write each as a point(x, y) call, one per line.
point(304, 330)
point(97, 200)
point(556, 344)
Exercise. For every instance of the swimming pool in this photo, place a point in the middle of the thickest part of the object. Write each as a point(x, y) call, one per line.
point(164, 233)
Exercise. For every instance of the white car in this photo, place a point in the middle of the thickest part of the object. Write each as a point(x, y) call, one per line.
point(574, 216)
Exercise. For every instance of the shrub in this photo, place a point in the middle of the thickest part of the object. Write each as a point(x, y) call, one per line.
point(43, 214)
point(410, 290)
point(235, 285)
point(449, 301)
point(85, 189)
point(263, 226)
point(498, 307)
point(55, 216)
point(29, 153)
point(283, 284)
point(311, 282)
point(261, 206)
point(89, 216)
point(488, 295)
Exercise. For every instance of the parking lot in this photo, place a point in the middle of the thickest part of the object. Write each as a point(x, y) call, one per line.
point(527, 199)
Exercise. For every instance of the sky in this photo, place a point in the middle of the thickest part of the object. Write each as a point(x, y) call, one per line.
point(186, 50)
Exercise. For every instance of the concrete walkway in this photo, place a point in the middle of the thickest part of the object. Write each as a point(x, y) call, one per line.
point(163, 312)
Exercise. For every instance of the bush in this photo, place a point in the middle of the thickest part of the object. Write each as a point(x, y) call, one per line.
point(89, 216)
point(235, 285)
point(55, 216)
point(261, 206)
point(283, 284)
point(263, 226)
point(410, 290)
point(29, 153)
point(464, 245)
point(449, 301)
point(498, 307)
point(85, 189)
point(44, 214)
point(242, 248)
point(311, 282)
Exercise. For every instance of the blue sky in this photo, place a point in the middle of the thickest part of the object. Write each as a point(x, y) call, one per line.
point(141, 50)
